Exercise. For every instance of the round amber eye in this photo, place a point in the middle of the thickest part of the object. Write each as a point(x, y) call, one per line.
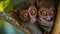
point(33, 12)
point(51, 13)
point(25, 15)
point(43, 13)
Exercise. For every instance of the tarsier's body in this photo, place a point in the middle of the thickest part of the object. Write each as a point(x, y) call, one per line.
point(46, 13)
point(28, 14)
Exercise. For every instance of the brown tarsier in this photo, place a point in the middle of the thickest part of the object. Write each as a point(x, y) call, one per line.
point(46, 14)
point(26, 13)
point(35, 14)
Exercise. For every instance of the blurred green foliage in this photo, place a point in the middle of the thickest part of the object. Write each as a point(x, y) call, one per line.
point(5, 27)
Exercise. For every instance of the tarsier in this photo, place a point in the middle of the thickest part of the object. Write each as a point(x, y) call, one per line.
point(35, 14)
point(26, 14)
point(46, 14)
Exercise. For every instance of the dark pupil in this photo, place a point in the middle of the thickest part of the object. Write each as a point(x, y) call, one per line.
point(32, 12)
point(25, 15)
point(43, 13)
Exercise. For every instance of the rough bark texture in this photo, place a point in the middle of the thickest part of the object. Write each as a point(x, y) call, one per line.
point(12, 21)
point(56, 29)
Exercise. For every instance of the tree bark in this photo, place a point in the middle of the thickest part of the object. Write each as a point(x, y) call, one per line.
point(56, 29)
point(14, 22)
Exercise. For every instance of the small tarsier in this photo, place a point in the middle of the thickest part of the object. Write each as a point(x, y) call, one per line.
point(28, 19)
point(26, 15)
point(29, 15)
point(46, 14)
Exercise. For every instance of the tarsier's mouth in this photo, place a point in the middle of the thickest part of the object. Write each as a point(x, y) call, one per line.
point(45, 22)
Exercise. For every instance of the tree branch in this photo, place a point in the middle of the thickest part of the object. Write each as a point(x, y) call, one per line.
point(14, 22)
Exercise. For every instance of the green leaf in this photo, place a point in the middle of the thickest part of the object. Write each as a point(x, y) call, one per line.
point(2, 0)
point(6, 3)
point(1, 6)
point(8, 8)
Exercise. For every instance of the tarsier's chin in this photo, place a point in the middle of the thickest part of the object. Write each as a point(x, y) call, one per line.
point(46, 13)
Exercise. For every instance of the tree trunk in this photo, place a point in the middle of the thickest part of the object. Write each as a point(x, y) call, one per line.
point(56, 29)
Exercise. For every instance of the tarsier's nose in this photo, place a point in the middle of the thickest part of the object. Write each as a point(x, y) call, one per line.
point(48, 18)
point(33, 20)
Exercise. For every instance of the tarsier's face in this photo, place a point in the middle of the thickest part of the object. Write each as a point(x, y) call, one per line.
point(46, 14)
point(29, 15)
point(46, 17)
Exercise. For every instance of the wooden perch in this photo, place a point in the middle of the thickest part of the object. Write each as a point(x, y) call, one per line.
point(14, 22)
point(56, 29)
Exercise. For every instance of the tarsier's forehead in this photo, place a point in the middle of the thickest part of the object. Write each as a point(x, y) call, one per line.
point(47, 9)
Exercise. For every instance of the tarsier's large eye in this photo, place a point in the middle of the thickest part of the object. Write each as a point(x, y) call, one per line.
point(43, 13)
point(25, 15)
point(51, 13)
point(33, 12)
